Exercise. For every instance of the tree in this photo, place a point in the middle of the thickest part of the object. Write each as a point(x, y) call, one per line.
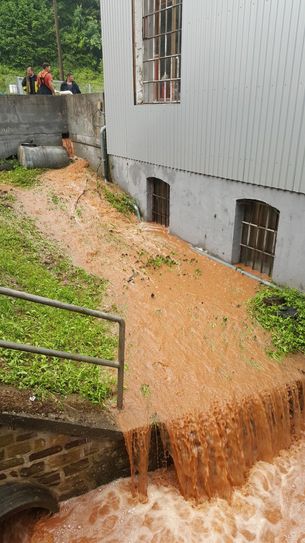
point(27, 34)
point(82, 43)
point(58, 40)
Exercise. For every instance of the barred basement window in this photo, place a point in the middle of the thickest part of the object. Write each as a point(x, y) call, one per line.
point(159, 192)
point(258, 235)
point(159, 53)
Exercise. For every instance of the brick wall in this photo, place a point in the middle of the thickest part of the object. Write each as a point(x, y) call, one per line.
point(69, 465)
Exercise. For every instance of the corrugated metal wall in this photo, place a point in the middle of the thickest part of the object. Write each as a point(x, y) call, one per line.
point(242, 110)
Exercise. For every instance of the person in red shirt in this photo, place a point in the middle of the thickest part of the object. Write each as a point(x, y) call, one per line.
point(45, 80)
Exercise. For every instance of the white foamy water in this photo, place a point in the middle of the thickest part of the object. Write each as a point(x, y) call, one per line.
point(270, 508)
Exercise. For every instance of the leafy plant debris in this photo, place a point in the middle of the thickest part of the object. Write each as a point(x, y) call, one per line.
point(282, 311)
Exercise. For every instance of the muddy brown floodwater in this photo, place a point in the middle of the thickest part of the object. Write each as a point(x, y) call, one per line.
point(196, 362)
point(270, 508)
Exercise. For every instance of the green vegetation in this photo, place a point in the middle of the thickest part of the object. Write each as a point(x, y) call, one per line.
point(120, 201)
point(19, 176)
point(253, 363)
point(160, 260)
point(283, 313)
point(7, 77)
point(57, 201)
point(89, 79)
point(27, 33)
point(145, 390)
point(27, 37)
point(30, 263)
point(86, 78)
point(198, 272)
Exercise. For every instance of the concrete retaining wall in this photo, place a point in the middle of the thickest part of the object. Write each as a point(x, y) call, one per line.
point(203, 212)
point(43, 119)
point(31, 119)
point(85, 119)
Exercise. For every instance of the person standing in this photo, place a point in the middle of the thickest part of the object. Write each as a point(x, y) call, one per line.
point(29, 82)
point(70, 85)
point(45, 80)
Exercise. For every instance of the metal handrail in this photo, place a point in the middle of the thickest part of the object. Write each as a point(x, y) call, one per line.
point(119, 365)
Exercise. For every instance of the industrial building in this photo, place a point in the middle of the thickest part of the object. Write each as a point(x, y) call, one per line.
point(204, 104)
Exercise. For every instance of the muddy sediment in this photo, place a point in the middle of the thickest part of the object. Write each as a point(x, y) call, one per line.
point(196, 362)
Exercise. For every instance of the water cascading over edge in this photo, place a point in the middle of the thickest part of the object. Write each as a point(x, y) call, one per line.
point(212, 451)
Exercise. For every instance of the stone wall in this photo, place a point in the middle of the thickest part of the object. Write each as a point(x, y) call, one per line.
point(70, 465)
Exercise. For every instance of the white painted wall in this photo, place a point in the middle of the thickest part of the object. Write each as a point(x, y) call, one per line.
point(203, 212)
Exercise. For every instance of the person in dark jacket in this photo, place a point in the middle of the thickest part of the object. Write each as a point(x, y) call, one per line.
point(29, 82)
point(70, 85)
point(45, 80)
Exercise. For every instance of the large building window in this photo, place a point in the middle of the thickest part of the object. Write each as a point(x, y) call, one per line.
point(159, 77)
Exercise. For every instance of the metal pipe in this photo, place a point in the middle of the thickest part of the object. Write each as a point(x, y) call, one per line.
point(202, 252)
point(70, 356)
point(60, 305)
point(121, 365)
point(103, 144)
point(58, 354)
point(137, 210)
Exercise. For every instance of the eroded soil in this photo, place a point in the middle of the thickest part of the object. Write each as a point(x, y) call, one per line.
point(190, 340)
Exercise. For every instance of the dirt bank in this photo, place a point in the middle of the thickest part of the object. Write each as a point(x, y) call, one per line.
point(190, 340)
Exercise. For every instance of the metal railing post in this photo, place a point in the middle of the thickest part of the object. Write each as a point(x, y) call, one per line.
point(119, 365)
point(121, 358)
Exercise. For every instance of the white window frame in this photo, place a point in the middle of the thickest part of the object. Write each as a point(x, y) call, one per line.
point(153, 85)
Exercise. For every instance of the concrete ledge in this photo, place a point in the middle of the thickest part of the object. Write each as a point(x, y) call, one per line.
point(23, 420)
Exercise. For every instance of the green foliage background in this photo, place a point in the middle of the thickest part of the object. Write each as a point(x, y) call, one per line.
point(27, 35)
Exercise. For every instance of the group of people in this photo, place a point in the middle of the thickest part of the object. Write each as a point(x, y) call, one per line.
point(43, 82)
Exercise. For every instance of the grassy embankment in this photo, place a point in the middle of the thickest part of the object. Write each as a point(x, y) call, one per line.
point(31, 263)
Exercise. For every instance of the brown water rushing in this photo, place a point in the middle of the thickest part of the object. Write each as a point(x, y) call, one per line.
point(213, 452)
point(197, 364)
point(270, 508)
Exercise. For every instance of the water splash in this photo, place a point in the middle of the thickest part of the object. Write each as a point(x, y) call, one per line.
point(270, 508)
point(213, 451)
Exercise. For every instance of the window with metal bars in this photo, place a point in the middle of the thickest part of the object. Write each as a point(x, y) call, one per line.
point(161, 34)
point(258, 235)
point(160, 193)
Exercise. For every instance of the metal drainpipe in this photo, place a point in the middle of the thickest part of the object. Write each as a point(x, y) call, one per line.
point(137, 211)
point(103, 143)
